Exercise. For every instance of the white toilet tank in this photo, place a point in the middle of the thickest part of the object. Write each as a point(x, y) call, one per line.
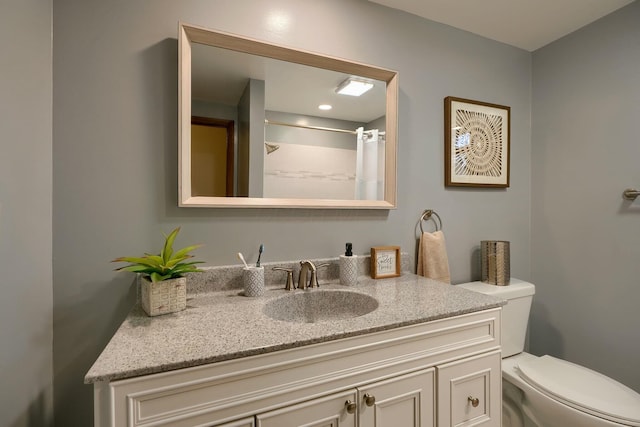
point(515, 314)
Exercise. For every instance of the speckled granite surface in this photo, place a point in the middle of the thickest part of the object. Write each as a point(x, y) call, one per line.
point(228, 277)
point(223, 325)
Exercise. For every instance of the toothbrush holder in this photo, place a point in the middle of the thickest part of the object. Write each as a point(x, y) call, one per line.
point(253, 281)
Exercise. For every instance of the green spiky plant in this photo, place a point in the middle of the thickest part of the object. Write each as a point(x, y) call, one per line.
point(167, 265)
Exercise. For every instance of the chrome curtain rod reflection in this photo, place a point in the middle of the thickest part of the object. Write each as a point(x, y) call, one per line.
point(353, 132)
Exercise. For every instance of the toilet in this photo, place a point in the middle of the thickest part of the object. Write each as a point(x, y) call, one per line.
point(549, 392)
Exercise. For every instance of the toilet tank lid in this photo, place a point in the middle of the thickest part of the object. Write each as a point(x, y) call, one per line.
point(516, 289)
point(583, 389)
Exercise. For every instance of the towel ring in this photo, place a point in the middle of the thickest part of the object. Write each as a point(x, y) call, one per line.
point(426, 215)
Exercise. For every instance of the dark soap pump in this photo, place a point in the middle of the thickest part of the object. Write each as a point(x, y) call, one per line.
point(349, 250)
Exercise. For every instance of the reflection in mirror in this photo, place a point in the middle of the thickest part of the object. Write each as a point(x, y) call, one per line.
point(265, 126)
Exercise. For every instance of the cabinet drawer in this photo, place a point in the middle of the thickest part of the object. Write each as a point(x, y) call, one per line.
point(246, 422)
point(470, 392)
point(329, 411)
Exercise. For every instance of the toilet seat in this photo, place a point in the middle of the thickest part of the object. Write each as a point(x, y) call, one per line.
point(582, 389)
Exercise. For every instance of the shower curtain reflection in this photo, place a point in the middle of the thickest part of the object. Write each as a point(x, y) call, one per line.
point(369, 165)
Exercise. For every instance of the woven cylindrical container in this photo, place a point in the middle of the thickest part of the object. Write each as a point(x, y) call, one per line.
point(253, 281)
point(495, 262)
point(348, 270)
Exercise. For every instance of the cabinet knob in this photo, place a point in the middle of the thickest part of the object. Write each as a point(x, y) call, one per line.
point(369, 400)
point(350, 406)
point(474, 401)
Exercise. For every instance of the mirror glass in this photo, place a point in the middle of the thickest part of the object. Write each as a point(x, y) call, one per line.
point(252, 133)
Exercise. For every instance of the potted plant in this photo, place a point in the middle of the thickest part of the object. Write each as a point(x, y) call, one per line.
point(163, 287)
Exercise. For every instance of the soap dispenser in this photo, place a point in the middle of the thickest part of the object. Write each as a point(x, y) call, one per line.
point(348, 267)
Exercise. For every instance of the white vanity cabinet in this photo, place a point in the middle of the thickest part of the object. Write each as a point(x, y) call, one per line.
point(470, 391)
point(406, 400)
point(439, 373)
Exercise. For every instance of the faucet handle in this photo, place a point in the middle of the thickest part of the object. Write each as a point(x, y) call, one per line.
point(314, 275)
point(289, 286)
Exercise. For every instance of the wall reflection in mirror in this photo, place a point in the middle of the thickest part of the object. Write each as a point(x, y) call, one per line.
point(271, 129)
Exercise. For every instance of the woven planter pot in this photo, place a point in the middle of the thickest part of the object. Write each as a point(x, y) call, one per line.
point(163, 297)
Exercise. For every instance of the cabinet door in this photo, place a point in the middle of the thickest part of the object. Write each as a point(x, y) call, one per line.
point(336, 410)
point(404, 401)
point(470, 392)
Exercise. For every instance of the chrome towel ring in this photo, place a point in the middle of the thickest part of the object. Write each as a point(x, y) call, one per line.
point(630, 194)
point(429, 214)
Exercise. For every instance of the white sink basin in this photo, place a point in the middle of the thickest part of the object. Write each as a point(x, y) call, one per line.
point(317, 305)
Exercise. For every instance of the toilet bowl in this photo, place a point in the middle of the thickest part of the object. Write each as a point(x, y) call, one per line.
point(546, 391)
point(559, 393)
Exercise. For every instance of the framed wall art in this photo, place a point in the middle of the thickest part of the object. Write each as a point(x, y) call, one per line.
point(477, 142)
point(385, 261)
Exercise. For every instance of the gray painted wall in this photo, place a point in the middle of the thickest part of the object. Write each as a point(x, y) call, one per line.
point(26, 326)
point(115, 145)
point(585, 238)
point(256, 115)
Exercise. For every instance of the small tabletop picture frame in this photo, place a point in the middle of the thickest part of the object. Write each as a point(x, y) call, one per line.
point(477, 143)
point(385, 261)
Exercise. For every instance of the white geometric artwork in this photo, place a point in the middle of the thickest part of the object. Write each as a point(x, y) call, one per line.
point(476, 144)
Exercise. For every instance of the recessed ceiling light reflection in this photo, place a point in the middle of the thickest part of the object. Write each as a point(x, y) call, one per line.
point(354, 86)
point(325, 107)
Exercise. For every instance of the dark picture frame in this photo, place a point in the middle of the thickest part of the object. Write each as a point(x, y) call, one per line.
point(477, 143)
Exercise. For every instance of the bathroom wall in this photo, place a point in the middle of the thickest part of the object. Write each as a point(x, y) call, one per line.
point(585, 237)
point(251, 111)
point(310, 163)
point(331, 176)
point(115, 153)
point(26, 323)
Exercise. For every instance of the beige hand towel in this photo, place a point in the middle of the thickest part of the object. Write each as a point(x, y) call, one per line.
point(432, 257)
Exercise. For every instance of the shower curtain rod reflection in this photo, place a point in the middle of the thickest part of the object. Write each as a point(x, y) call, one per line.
point(353, 132)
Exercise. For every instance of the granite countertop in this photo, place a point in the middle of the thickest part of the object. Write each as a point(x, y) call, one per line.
point(225, 325)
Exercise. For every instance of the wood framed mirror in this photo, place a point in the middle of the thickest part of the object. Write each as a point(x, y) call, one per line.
point(274, 147)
